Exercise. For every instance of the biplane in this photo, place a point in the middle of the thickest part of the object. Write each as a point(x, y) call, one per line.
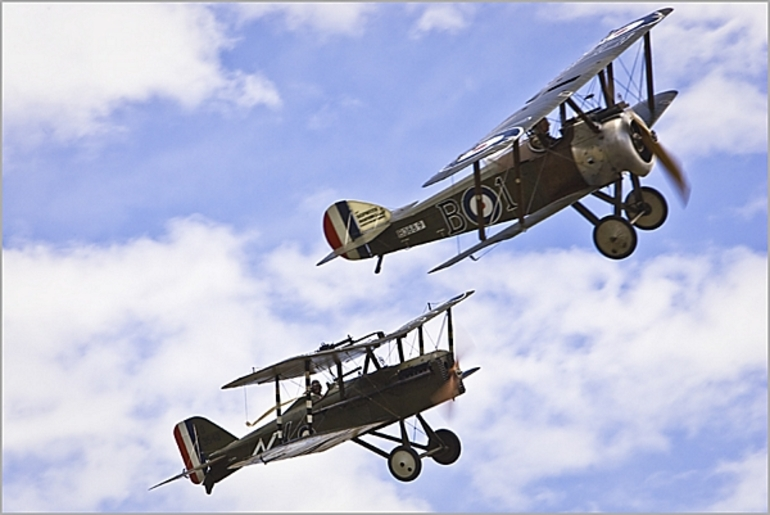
point(352, 408)
point(524, 174)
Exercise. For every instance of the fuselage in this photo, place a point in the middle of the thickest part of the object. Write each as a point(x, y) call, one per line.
point(381, 397)
point(581, 160)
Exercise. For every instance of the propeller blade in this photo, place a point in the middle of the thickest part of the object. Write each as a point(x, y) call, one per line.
point(670, 165)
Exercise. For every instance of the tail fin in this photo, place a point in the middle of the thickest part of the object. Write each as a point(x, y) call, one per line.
point(349, 225)
point(197, 438)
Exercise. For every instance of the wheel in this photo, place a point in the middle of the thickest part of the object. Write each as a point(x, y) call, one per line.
point(615, 237)
point(404, 463)
point(451, 447)
point(653, 208)
point(305, 431)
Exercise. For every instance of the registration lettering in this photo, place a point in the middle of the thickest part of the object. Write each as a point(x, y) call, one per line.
point(410, 229)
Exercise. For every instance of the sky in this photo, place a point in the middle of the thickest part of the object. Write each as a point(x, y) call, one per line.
point(165, 171)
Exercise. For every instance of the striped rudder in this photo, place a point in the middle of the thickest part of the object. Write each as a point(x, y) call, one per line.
point(350, 225)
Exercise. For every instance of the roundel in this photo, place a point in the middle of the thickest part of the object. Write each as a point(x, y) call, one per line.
point(490, 205)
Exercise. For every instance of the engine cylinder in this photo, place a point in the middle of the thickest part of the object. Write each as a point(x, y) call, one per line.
point(616, 148)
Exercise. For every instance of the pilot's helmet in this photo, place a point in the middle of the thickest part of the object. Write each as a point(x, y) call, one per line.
point(315, 387)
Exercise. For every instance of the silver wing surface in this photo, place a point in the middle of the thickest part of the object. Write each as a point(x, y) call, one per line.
point(324, 360)
point(555, 92)
point(306, 445)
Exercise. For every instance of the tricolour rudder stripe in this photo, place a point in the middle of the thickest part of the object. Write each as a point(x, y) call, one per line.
point(197, 438)
point(184, 434)
point(349, 225)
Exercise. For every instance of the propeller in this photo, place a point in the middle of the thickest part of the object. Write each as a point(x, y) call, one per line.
point(452, 386)
point(670, 165)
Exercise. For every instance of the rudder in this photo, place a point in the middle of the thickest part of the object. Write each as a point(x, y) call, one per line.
point(196, 438)
point(349, 225)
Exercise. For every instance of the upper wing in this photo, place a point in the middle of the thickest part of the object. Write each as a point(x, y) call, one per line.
point(295, 367)
point(516, 228)
point(323, 360)
point(555, 92)
point(420, 320)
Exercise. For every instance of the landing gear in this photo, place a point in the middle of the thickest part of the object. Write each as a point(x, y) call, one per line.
point(404, 463)
point(615, 237)
point(449, 444)
point(649, 212)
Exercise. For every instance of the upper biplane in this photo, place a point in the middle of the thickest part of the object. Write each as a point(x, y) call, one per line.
point(523, 174)
point(351, 408)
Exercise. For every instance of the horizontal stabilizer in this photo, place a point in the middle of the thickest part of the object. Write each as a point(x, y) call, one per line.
point(197, 438)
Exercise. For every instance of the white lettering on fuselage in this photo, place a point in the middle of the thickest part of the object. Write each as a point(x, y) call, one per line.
point(403, 232)
point(457, 215)
point(261, 447)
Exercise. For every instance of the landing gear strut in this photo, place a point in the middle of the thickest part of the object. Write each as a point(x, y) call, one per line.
point(614, 236)
point(404, 462)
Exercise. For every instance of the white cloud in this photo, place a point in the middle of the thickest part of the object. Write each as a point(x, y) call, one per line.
point(585, 364)
point(716, 56)
point(328, 18)
point(68, 67)
point(755, 206)
point(717, 114)
point(748, 493)
point(451, 18)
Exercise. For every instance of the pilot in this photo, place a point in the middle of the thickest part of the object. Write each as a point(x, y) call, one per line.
point(542, 134)
point(315, 388)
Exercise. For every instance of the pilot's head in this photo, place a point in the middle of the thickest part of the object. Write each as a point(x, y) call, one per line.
point(315, 387)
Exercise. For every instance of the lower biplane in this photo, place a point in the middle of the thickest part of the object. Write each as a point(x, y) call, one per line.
point(351, 409)
point(523, 174)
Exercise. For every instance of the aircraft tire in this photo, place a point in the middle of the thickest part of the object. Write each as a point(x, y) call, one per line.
point(404, 463)
point(615, 237)
point(451, 444)
point(655, 207)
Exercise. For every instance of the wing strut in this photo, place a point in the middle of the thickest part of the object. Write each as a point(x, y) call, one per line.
point(648, 65)
point(517, 179)
point(607, 83)
point(450, 332)
point(479, 200)
point(590, 123)
point(278, 420)
point(308, 399)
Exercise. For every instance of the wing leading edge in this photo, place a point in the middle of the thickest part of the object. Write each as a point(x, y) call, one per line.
point(555, 92)
point(323, 360)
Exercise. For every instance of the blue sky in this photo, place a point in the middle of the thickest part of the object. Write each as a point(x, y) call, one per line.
point(165, 171)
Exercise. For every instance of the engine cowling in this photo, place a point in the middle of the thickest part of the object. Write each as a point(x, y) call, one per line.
point(617, 147)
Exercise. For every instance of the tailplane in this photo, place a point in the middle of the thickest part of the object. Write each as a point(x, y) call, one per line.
point(197, 438)
point(349, 226)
